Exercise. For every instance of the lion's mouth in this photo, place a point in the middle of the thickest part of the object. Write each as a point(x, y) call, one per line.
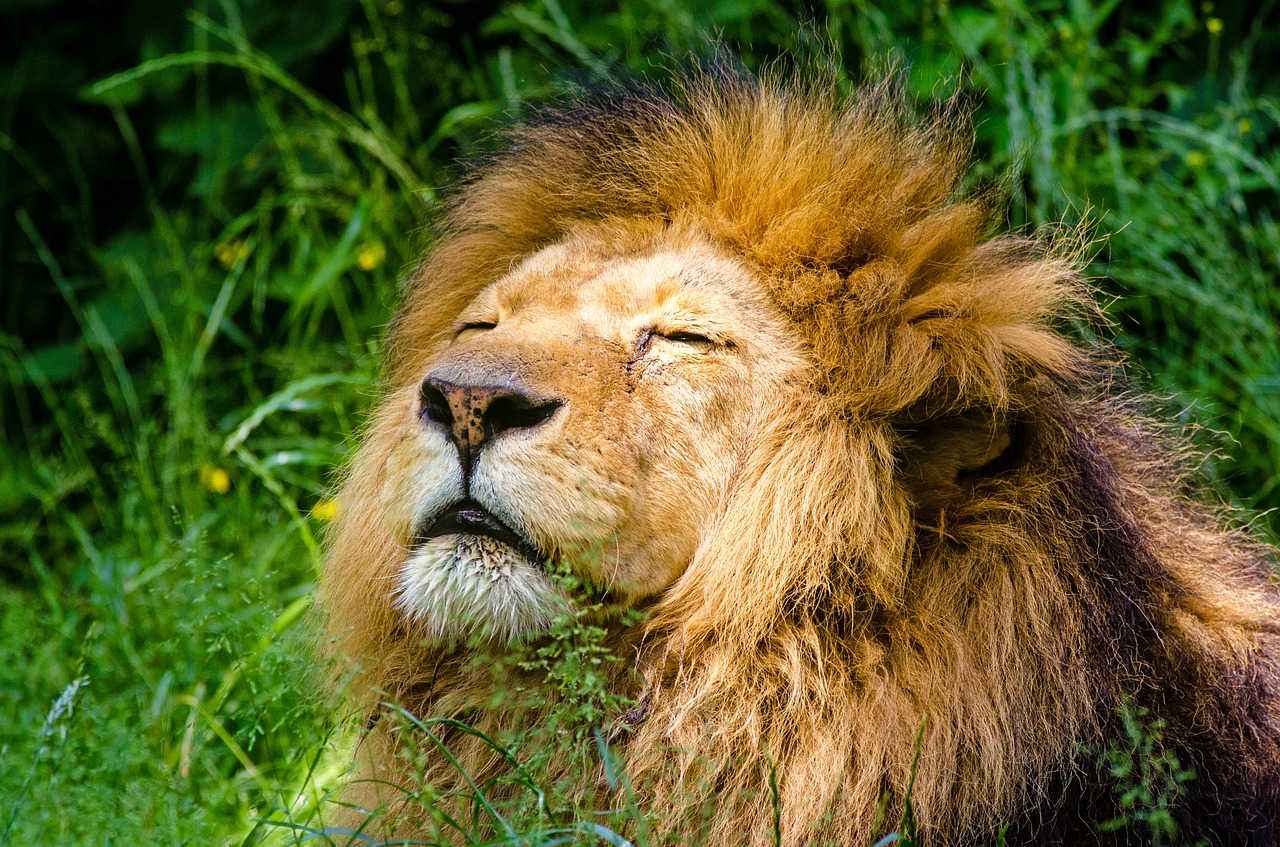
point(467, 517)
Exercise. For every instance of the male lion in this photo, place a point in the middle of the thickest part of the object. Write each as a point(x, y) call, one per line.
point(741, 357)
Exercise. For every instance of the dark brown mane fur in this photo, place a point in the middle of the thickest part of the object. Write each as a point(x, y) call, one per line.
point(1069, 580)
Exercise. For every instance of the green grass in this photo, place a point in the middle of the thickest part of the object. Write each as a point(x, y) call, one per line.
point(181, 373)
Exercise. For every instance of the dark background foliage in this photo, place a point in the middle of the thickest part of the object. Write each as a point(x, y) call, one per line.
point(204, 212)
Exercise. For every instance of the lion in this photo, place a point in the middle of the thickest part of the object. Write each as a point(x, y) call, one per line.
point(871, 533)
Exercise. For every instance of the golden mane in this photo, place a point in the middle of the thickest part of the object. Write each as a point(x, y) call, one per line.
point(830, 610)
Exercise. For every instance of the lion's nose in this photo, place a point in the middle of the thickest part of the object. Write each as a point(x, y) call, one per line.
point(474, 414)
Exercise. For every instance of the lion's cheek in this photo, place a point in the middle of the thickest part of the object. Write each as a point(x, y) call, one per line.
point(422, 477)
point(688, 467)
point(648, 571)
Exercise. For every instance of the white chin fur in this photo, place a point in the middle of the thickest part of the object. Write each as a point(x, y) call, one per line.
point(459, 586)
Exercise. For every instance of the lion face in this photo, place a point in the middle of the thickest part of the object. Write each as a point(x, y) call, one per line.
point(588, 410)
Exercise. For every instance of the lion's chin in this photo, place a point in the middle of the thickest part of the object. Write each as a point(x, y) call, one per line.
point(458, 587)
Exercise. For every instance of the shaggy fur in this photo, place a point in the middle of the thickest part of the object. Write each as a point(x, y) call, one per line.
point(944, 510)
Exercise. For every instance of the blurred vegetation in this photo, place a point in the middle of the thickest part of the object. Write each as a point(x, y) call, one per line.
point(204, 212)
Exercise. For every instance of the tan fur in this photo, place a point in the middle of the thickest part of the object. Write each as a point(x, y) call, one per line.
point(899, 492)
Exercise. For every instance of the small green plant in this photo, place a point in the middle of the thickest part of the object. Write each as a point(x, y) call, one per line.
point(1148, 778)
point(52, 734)
point(575, 659)
point(570, 673)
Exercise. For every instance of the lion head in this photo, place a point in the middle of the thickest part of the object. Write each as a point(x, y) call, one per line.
point(744, 357)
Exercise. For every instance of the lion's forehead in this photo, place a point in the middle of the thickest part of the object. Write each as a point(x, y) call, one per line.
point(618, 294)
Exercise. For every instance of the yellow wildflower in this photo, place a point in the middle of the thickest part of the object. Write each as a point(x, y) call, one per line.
point(370, 255)
point(325, 510)
point(1195, 159)
point(1214, 25)
point(215, 478)
point(231, 253)
point(1245, 126)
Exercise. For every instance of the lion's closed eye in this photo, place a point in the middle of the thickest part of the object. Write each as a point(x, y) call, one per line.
point(695, 340)
point(691, 338)
point(470, 328)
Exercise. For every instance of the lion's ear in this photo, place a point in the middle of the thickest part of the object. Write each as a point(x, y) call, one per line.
point(941, 457)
